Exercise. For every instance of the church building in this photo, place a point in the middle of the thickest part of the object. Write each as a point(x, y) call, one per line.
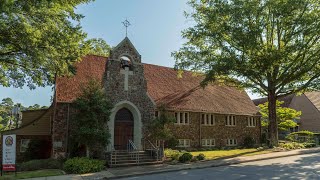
point(214, 116)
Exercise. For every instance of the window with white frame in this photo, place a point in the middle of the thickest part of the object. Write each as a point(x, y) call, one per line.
point(251, 122)
point(182, 118)
point(24, 144)
point(231, 142)
point(230, 120)
point(208, 142)
point(208, 119)
point(184, 143)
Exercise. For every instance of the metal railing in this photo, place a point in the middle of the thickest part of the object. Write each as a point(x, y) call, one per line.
point(156, 152)
point(133, 150)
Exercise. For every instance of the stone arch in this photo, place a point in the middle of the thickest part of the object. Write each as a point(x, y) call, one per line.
point(137, 131)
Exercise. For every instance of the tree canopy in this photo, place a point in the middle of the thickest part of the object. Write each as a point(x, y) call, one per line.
point(98, 47)
point(39, 39)
point(269, 46)
point(286, 117)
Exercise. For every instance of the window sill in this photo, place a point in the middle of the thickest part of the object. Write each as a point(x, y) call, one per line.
point(180, 124)
point(230, 125)
point(207, 125)
point(251, 126)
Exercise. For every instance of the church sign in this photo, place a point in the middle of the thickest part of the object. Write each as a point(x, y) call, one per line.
point(9, 153)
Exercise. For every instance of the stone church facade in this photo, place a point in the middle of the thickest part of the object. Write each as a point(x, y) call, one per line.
point(214, 116)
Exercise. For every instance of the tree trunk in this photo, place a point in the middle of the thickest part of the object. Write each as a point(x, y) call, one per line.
point(273, 124)
point(87, 151)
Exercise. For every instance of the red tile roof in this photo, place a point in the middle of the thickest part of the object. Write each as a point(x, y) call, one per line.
point(185, 93)
point(91, 67)
point(164, 87)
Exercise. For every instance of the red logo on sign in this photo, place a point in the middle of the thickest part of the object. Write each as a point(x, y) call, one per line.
point(9, 167)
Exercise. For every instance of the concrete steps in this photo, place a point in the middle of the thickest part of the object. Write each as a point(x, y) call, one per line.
point(124, 158)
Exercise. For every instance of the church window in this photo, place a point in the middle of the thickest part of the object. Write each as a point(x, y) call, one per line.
point(230, 120)
point(184, 143)
point(251, 122)
point(24, 144)
point(182, 118)
point(231, 142)
point(208, 119)
point(208, 142)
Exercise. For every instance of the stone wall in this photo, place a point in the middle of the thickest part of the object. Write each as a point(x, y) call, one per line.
point(220, 132)
point(60, 130)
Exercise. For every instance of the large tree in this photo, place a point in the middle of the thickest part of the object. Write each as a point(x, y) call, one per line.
point(269, 46)
point(38, 40)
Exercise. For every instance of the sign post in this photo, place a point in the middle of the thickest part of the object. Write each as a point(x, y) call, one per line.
point(9, 153)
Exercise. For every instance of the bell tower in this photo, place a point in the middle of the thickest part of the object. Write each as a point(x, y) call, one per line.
point(126, 87)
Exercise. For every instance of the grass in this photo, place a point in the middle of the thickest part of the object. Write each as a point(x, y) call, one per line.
point(216, 154)
point(32, 174)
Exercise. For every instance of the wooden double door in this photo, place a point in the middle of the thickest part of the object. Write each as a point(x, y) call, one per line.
point(123, 130)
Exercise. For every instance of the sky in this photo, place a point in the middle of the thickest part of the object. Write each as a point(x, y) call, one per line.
point(155, 31)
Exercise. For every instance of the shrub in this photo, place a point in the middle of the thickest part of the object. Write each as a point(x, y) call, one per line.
point(201, 157)
point(309, 145)
point(80, 165)
point(248, 142)
point(292, 145)
point(40, 164)
point(185, 157)
point(301, 136)
point(173, 154)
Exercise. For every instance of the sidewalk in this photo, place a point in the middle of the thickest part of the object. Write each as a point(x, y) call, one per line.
point(113, 173)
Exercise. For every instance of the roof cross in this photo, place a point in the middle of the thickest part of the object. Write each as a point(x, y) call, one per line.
point(126, 24)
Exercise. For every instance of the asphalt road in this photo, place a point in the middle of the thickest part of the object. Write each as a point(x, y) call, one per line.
point(294, 167)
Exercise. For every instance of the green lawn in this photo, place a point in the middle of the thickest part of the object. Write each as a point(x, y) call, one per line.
point(215, 154)
point(32, 174)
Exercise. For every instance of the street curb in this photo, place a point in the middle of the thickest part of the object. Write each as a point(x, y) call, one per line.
point(212, 165)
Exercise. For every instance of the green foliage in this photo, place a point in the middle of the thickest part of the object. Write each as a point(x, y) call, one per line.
point(185, 157)
point(173, 154)
point(7, 121)
point(309, 145)
point(98, 47)
point(37, 149)
point(249, 142)
point(39, 39)
point(83, 165)
point(201, 157)
point(40, 164)
point(285, 116)
point(159, 127)
point(89, 124)
point(292, 145)
point(301, 136)
point(268, 46)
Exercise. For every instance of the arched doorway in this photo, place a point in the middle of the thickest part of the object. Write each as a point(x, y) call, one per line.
point(123, 129)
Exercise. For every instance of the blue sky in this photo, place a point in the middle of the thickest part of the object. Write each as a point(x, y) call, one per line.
point(155, 31)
